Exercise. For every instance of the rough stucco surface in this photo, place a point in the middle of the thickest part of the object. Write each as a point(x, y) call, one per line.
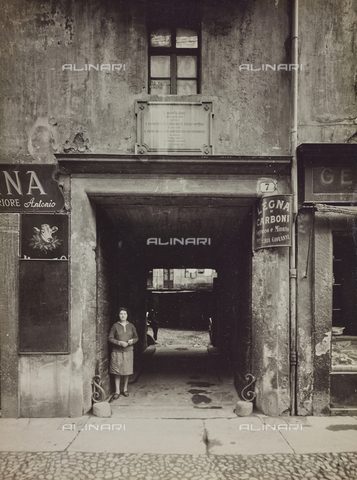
point(304, 313)
point(252, 115)
point(328, 82)
point(106, 309)
point(48, 110)
point(43, 385)
point(322, 313)
point(9, 248)
point(270, 330)
point(83, 300)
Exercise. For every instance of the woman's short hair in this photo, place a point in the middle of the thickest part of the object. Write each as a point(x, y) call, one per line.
point(123, 309)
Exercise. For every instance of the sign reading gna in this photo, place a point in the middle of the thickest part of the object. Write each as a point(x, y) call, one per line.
point(273, 222)
point(29, 188)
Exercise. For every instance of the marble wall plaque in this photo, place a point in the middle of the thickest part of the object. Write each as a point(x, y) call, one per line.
point(174, 128)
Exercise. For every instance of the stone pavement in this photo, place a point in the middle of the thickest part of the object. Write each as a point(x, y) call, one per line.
point(183, 381)
point(178, 423)
point(252, 448)
point(78, 465)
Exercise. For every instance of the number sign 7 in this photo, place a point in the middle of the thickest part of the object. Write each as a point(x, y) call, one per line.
point(268, 186)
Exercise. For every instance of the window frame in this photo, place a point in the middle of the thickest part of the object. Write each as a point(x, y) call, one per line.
point(173, 52)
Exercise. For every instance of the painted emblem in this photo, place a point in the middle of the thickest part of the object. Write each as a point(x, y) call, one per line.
point(43, 238)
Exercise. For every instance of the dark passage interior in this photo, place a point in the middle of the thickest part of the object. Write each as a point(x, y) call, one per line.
point(139, 236)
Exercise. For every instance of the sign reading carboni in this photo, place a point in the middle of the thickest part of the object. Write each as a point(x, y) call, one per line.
point(29, 188)
point(273, 222)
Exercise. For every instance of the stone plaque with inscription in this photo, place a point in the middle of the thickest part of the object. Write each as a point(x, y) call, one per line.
point(174, 128)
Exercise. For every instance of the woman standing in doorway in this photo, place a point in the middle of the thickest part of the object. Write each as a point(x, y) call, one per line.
point(123, 336)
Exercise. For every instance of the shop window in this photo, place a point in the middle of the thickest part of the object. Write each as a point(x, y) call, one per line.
point(344, 284)
point(344, 306)
point(174, 60)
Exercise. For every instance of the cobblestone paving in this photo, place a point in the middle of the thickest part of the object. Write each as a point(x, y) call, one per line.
point(74, 465)
point(189, 338)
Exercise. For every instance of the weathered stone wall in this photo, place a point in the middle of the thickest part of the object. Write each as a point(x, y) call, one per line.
point(328, 82)
point(47, 110)
point(106, 254)
point(322, 308)
point(305, 345)
point(44, 385)
point(83, 303)
point(9, 313)
point(253, 107)
point(242, 315)
point(270, 330)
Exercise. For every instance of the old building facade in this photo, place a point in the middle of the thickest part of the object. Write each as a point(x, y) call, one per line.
point(233, 121)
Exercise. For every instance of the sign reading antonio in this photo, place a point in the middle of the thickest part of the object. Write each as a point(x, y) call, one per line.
point(273, 222)
point(29, 188)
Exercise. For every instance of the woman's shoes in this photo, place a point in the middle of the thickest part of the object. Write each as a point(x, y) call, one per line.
point(117, 395)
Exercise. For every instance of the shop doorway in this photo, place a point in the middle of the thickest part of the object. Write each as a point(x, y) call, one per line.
point(184, 234)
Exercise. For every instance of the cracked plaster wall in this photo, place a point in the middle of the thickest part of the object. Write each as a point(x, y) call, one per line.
point(328, 83)
point(322, 311)
point(305, 231)
point(270, 329)
point(47, 110)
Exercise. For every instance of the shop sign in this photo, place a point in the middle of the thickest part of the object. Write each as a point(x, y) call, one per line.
point(331, 183)
point(44, 236)
point(29, 188)
point(174, 128)
point(273, 222)
point(334, 179)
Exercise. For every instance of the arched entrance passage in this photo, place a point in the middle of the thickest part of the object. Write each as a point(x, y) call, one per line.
point(139, 234)
point(101, 196)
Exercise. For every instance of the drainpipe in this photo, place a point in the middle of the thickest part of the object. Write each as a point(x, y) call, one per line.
point(294, 187)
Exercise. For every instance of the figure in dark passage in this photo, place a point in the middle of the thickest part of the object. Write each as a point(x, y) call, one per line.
point(154, 324)
point(123, 336)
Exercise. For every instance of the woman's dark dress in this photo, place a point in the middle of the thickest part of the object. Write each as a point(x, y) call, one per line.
point(122, 358)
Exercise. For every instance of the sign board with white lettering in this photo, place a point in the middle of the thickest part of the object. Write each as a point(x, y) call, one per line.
point(334, 179)
point(174, 128)
point(29, 188)
point(331, 183)
point(273, 222)
point(327, 173)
